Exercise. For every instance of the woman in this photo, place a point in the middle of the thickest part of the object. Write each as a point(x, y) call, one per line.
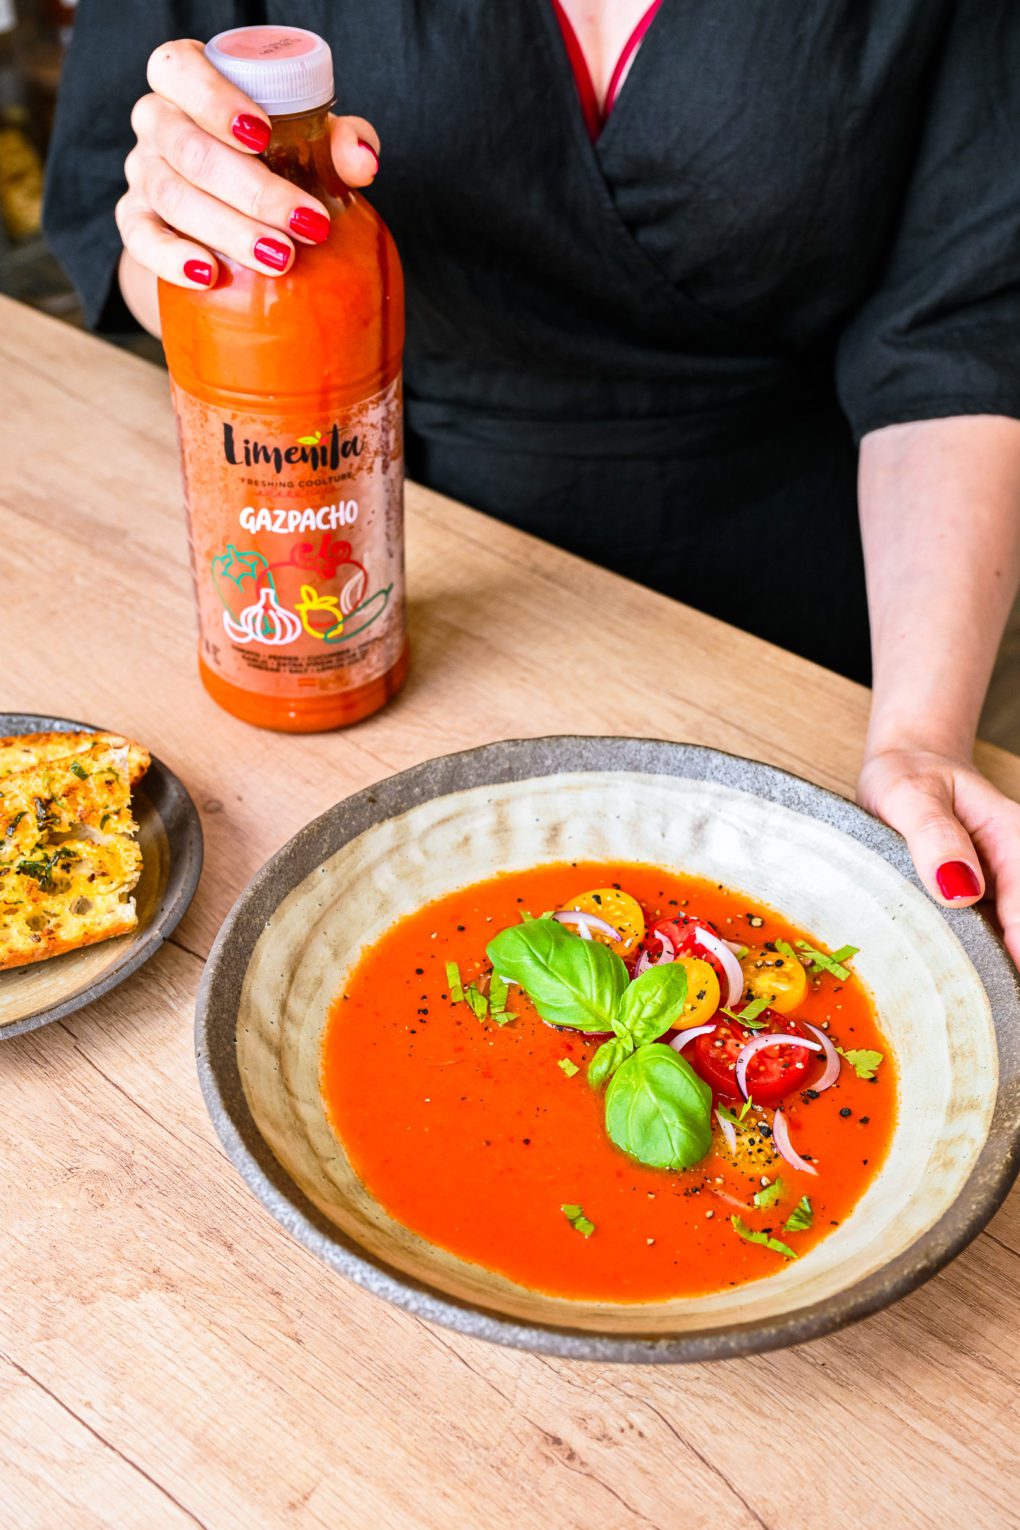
point(742, 322)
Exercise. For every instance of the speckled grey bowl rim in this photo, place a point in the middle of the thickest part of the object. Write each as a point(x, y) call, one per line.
point(169, 798)
point(524, 759)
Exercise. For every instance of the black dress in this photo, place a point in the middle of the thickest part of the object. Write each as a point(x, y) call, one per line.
point(801, 223)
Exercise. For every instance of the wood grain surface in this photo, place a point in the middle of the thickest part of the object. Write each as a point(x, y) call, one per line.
point(168, 1357)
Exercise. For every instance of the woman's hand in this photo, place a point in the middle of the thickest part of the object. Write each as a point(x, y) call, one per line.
point(963, 834)
point(197, 186)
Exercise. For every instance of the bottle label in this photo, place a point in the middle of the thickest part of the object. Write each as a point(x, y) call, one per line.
point(297, 538)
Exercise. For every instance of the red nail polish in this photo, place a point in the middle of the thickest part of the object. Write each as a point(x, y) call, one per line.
point(310, 224)
point(363, 145)
point(251, 131)
point(272, 253)
point(198, 271)
point(957, 880)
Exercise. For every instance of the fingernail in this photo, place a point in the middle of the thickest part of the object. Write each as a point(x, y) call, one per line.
point(310, 224)
point(198, 271)
point(957, 880)
point(251, 131)
point(363, 145)
point(272, 253)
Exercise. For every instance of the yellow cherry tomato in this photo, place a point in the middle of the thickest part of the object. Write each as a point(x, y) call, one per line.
point(618, 909)
point(702, 991)
point(779, 979)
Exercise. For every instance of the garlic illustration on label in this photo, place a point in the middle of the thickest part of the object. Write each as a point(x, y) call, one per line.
point(266, 621)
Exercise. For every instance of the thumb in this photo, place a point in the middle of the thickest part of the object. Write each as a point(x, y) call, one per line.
point(920, 807)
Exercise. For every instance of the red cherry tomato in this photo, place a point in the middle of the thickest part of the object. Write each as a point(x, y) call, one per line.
point(682, 931)
point(772, 1072)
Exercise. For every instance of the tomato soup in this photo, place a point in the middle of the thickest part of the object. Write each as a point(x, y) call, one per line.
point(478, 1128)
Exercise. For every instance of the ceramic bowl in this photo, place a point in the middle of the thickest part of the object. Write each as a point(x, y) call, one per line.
point(947, 996)
point(170, 837)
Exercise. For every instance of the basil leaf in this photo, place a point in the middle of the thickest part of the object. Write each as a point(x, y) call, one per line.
point(750, 1236)
point(800, 1218)
point(652, 1003)
point(608, 1058)
point(572, 982)
point(658, 1110)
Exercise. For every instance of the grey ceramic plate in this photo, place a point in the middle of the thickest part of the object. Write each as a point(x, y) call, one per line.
point(947, 994)
point(170, 836)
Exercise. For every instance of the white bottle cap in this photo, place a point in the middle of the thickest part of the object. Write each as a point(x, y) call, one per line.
point(282, 69)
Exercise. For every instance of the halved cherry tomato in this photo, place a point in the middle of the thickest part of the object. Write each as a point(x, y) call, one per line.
point(618, 909)
point(772, 1073)
point(779, 979)
point(702, 991)
point(682, 932)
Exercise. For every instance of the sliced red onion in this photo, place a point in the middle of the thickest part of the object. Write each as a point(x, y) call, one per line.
point(736, 946)
point(728, 1130)
point(770, 1039)
point(646, 959)
point(721, 951)
point(832, 1061)
point(586, 923)
point(668, 948)
point(781, 1137)
point(681, 1038)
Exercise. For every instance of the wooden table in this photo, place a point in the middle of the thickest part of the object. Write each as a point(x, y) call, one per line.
point(169, 1355)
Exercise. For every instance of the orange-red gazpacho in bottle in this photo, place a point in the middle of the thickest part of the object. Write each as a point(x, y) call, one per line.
point(287, 391)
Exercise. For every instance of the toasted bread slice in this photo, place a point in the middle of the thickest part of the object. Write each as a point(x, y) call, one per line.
point(22, 751)
point(68, 859)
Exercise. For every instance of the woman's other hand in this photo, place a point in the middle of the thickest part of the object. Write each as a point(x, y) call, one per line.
point(962, 832)
point(196, 185)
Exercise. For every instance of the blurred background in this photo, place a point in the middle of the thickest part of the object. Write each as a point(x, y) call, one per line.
point(34, 35)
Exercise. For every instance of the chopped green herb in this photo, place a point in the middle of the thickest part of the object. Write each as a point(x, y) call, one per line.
point(863, 1061)
point(498, 992)
point(833, 963)
point(453, 980)
point(748, 1233)
point(800, 1218)
point(741, 952)
point(502, 1016)
point(81, 773)
point(42, 871)
point(578, 1221)
point(14, 824)
point(105, 820)
point(735, 1120)
point(476, 1002)
point(568, 1067)
point(749, 1014)
point(768, 1195)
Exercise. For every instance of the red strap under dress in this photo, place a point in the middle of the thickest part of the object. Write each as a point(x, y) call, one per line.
point(594, 114)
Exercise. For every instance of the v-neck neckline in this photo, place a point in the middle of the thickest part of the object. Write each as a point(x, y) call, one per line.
point(565, 68)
